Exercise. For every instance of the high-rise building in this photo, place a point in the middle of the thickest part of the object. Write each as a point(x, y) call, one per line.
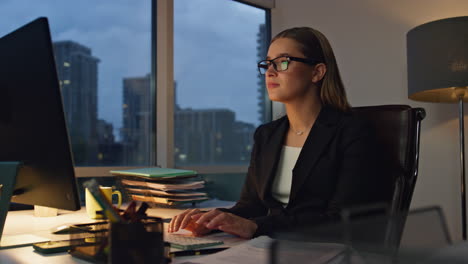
point(203, 136)
point(78, 74)
point(262, 50)
point(110, 151)
point(243, 133)
point(137, 126)
point(211, 136)
point(105, 132)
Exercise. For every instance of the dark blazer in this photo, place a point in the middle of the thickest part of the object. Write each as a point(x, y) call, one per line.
point(335, 169)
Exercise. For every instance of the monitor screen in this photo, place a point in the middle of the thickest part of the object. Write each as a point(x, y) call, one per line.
point(33, 130)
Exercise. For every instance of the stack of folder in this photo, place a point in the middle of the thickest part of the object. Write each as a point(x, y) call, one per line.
point(162, 186)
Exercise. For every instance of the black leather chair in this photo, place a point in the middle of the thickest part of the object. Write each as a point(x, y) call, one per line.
point(376, 228)
point(397, 129)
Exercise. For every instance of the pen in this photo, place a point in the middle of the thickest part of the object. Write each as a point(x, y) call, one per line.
point(196, 252)
point(142, 210)
point(129, 213)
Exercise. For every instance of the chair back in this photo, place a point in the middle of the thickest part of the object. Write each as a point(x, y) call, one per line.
point(397, 130)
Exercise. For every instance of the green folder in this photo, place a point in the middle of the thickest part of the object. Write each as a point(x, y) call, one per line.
point(155, 173)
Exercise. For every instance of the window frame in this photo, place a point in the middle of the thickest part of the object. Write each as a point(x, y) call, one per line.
point(104, 171)
point(162, 89)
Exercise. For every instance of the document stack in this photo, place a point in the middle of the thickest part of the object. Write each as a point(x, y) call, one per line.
point(162, 186)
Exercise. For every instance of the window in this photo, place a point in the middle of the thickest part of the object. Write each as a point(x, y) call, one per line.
point(219, 95)
point(106, 64)
point(103, 58)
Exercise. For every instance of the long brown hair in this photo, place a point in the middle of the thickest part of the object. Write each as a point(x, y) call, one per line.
point(314, 45)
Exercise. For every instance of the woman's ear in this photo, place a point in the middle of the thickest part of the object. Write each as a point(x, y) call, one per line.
point(319, 72)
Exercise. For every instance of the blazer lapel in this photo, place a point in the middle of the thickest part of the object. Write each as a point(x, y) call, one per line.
point(319, 136)
point(270, 157)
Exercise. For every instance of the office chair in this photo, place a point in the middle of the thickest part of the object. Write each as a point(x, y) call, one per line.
point(397, 129)
point(375, 229)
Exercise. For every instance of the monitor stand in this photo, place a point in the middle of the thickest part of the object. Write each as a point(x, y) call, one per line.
point(44, 211)
point(8, 173)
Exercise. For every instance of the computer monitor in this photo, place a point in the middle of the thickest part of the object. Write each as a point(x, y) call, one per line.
point(33, 130)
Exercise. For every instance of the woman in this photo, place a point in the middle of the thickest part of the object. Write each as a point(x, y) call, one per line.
point(306, 166)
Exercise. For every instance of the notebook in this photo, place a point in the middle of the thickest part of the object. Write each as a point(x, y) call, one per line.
point(155, 173)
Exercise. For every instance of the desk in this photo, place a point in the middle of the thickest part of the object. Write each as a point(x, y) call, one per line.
point(24, 222)
point(21, 222)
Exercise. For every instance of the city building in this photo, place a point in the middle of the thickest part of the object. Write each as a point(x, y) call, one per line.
point(137, 122)
point(109, 151)
point(201, 136)
point(211, 137)
point(78, 74)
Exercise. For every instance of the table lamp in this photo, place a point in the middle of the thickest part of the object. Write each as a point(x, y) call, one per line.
point(437, 54)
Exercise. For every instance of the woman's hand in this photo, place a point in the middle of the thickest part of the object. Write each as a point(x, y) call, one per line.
point(185, 221)
point(226, 222)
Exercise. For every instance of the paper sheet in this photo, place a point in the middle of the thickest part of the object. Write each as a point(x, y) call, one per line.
point(257, 251)
point(254, 251)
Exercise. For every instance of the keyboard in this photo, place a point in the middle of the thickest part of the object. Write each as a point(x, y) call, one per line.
point(188, 242)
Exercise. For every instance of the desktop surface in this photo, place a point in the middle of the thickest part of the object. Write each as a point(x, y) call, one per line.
point(24, 222)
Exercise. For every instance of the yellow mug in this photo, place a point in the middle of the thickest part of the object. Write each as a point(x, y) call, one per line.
point(92, 205)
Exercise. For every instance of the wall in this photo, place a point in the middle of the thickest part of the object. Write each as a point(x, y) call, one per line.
point(369, 39)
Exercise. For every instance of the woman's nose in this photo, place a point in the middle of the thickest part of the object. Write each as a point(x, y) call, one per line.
point(271, 70)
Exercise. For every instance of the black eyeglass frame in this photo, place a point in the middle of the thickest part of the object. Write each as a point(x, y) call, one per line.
point(260, 66)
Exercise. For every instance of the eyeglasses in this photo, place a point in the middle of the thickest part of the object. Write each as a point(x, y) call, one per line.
point(282, 63)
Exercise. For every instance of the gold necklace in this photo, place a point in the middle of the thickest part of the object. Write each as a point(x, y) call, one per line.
point(297, 132)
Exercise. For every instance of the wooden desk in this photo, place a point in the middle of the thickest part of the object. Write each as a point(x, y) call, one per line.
point(24, 222)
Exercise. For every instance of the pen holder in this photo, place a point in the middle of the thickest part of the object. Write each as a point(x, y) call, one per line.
point(140, 242)
point(104, 242)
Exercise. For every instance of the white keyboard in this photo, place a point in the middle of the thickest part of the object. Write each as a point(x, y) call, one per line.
point(188, 242)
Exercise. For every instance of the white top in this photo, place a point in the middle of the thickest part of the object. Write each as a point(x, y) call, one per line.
point(281, 187)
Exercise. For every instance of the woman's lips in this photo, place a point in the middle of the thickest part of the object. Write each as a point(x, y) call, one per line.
point(272, 85)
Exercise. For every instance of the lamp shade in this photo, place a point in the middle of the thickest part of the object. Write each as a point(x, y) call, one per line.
point(437, 55)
